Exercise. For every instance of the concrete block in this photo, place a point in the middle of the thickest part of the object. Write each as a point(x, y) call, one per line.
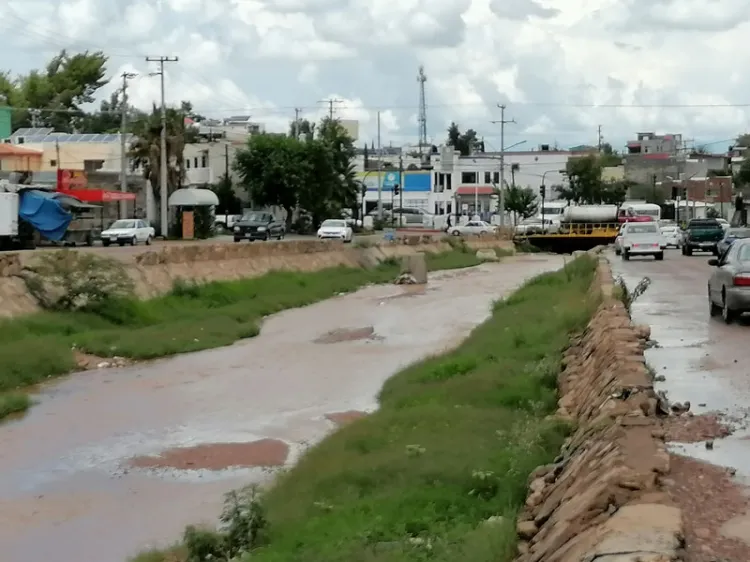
point(416, 265)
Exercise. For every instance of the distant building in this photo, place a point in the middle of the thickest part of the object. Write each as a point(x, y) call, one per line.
point(653, 158)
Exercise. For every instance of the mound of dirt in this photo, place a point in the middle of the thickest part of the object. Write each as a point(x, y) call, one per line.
point(219, 456)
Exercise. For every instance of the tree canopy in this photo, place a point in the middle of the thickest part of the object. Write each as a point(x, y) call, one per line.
point(585, 185)
point(315, 174)
point(67, 82)
point(466, 143)
point(520, 202)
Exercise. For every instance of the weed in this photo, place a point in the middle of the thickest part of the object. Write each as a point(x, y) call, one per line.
point(627, 296)
point(14, 403)
point(451, 446)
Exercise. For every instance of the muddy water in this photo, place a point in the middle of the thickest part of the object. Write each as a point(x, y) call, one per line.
point(67, 489)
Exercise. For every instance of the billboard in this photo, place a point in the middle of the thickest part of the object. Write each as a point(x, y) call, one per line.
point(413, 181)
point(351, 127)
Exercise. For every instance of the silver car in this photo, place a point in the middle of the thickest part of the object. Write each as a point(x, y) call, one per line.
point(729, 284)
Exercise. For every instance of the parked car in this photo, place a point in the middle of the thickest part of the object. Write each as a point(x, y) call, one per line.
point(128, 231)
point(335, 229)
point(477, 228)
point(729, 284)
point(730, 235)
point(258, 225)
point(225, 222)
point(642, 239)
point(672, 235)
point(702, 235)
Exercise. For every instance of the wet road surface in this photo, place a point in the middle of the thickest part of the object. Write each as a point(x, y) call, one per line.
point(66, 492)
point(704, 360)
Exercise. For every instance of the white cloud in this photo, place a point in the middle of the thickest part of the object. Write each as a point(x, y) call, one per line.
point(545, 59)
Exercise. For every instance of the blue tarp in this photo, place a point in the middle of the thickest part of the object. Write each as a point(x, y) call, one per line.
point(44, 213)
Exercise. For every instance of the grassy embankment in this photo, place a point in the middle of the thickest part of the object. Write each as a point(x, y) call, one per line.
point(39, 347)
point(451, 446)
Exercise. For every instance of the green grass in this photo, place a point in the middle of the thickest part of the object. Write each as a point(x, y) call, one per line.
point(452, 445)
point(191, 317)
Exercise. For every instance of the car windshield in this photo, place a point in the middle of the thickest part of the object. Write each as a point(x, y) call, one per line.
point(122, 224)
point(738, 233)
point(641, 229)
point(744, 253)
point(333, 224)
point(256, 217)
point(703, 225)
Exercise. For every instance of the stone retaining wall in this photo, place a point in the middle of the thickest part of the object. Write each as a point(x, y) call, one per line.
point(601, 501)
point(155, 272)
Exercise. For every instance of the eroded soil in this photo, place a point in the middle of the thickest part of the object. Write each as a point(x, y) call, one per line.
point(219, 456)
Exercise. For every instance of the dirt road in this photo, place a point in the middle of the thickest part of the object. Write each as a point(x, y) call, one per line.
point(705, 362)
point(70, 489)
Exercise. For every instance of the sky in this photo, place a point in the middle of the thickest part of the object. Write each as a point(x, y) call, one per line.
point(562, 67)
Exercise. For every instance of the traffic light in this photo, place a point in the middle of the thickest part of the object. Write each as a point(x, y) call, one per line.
point(396, 189)
point(543, 190)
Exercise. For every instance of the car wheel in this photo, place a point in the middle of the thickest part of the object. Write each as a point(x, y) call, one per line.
point(148, 241)
point(105, 243)
point(659, 256)
point(121, 244)
point(456, 233)
point(625, 256)
point(727, 314)
point(133, 241)
point(688, 251)
point(713, 309)
point(268, 236)
point(617, 251)
point(237, 239)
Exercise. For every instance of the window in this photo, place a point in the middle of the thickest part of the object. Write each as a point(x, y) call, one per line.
point(187, 163)
point(488, 177)
point(204, 160)
point(642, 229)
point(496, 177)
point(53, 163)
point(195, 161)
point(92, 165)
point(448, 179)
point(468, 177)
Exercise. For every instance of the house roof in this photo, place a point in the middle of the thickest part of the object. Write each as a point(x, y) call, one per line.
point(7, 149)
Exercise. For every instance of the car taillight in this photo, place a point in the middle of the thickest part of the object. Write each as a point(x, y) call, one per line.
point(742, 281)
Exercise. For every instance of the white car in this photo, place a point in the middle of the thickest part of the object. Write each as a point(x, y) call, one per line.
point(128, 231)
point(618, 240)
point(724, 223)
point(642, 239)
point(672, 235)
point(477, 228)
point(335, 229)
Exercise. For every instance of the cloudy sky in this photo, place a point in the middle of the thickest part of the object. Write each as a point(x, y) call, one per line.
point(563, 67)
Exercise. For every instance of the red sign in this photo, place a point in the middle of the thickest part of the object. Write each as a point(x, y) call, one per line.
point(98, 195)
point(71, 179)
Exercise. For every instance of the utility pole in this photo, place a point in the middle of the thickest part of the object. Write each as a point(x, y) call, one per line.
point(123, 144)
point(599, 138)
point(297, 111)
point(330, 103)
point(226, 162)
point(422, 118)
point(400, 191)
point(380, 179)
point(502, 122)
point(163, 166)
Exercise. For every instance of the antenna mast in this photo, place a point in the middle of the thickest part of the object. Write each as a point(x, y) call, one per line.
point(422, 119)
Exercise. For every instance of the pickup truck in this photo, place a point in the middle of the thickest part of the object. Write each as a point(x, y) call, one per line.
point(702, 235)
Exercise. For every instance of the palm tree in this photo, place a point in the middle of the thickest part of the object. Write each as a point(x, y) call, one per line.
point(145, 151)
point(515, 167)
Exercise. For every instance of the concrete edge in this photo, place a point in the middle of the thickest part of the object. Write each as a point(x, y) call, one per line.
point(602, 498)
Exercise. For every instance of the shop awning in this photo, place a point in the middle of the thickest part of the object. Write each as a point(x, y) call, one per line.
point(475, 189)
point(98, 195)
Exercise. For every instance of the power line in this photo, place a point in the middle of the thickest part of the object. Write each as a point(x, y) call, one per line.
point(330, 103)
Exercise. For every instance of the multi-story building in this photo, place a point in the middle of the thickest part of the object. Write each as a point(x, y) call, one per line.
point(653, 157)
point(464, 184)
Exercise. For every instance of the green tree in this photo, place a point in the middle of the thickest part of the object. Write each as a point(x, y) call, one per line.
point(302, 129)
point(273, 170)
point(229, 203)
point(609, 157)
point(340, 147)
point(585, 185)
point(466, 143)
point(57, 92)
point(145, 151)
point(520, 202)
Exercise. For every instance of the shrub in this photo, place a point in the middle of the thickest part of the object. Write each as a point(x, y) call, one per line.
point(69, 280)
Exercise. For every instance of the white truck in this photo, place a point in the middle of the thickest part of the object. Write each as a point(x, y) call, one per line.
point(15, 233)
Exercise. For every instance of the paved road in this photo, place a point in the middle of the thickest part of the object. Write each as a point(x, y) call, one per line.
point(66, 492)
point(125, 252)
point(704, 360)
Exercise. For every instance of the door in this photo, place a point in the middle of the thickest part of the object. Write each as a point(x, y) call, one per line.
point(141, 231)
point(722, 274)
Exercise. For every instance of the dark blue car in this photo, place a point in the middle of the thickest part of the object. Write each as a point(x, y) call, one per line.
point(732, 234)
